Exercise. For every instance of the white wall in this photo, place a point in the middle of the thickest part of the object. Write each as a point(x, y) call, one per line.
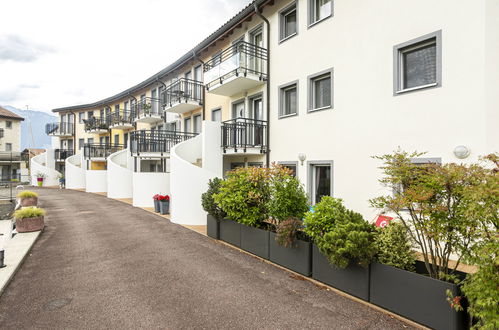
point(38, 164)
point(74, 172)
point(96, 181)
point(119, 177)
point(146, 185)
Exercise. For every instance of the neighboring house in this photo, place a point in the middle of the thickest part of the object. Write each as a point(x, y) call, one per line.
point(338, 88)
point(11, 165)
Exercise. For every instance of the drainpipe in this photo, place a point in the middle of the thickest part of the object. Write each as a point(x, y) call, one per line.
point(159, 96)
point(195, 56)
point(257, 12)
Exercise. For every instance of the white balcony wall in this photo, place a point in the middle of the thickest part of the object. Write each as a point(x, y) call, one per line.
point(119, 175)
point(75, 172)
point(146, 185)
point(96, 181)
point(189, 181)
point(44, 163)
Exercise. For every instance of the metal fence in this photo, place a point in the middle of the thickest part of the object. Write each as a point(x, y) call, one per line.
point(159, 141)
point(243, 133)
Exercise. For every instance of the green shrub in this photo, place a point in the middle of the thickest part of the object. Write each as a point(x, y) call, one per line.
point(29, 212)
point(244, 194)
point(349, 242)
point(208, 202)
point(288, 198)
point(325, 215)
point(394, 247)
point(27, 194)
point(286, 231)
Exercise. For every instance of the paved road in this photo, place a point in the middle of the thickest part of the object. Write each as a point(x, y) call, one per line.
point(102, 264)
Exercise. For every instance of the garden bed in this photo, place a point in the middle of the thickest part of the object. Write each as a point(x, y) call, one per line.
point(230, 232)
point(255, 241)
point(297, 258)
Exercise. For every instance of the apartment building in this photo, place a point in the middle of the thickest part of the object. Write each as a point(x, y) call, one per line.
point(11, 165)
point(319, 86)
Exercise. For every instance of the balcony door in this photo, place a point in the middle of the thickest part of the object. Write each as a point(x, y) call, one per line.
point(256, 39)
point(198, 76)
point(256, 128)
point(154, 103)
point(187, 85)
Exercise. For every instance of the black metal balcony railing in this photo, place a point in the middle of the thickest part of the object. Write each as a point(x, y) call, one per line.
point(62, 154)
point(243, 133)
point(92, 150)
point(158, 141)
point(95, 123)
point(59, 129)
point(183, 90)
point(239, 59)
point(120, 118)
point(146, 108)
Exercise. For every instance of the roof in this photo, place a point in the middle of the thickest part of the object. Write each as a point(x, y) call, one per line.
point(230, 24)
point(4, 113)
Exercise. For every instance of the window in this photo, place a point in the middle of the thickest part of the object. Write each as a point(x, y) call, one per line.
point(288, 26)
point(8, 124)
point(101, 140)
point(90, 140)
point(126, 105)
point(233, 166)
point(216, 115)
point(217, 58)
point(90, 114)
point(81, 142)
point(418, 63)
point(288, 100)
point(108, 138)
point(238, 109)
point(8, 147)
point(125, 140)
point(187, 124)
point(117, 108)
point(320, 181)
point(80, 117)
point(319, 10)
point(255, 164)
point(197, 124)
point(320, 91)
point(293, 166)
point(256, 107)
point(116, 139)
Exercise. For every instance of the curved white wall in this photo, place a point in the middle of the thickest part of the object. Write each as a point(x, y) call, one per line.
point(189, 181)
point(96, 181)
point(119, 176)
point(44, 163)
point(74, 172)
point(146, 185)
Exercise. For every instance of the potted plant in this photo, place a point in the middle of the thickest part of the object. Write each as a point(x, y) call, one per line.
point(29, 219)
point(215, 212)
point(344, 246)
point(39, 178)
point(28, 198)
point(164, 204)
point(156, 203)
point(146, 108)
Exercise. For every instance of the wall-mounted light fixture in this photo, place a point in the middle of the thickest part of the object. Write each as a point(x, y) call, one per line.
point(461, 152)
point(302, 158)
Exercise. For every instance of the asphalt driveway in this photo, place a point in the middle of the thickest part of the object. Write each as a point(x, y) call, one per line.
point(103, 264)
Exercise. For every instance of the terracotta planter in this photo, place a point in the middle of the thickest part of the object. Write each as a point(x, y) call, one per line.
point(29, 201)
point(27, 225)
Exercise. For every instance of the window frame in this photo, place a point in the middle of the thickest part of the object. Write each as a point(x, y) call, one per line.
point(310, 177)
point(282, 103)
point(194, 118)
point(311, 13)
point(81, 117)
point(8, 147)
point(310, 89)
point(8, 124)
point(237, 102)
point(190, 124)
point(290, 163)
point(212, 112)
point(413, 44)
point(282, 23)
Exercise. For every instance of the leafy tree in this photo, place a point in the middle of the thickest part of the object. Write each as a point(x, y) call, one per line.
point(394, 247)
point(208, 202)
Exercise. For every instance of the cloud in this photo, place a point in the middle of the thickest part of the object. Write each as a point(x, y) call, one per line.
point(15, 93)
point(16, 49)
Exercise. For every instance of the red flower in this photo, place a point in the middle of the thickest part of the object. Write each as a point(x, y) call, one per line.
point(156, 197)
point(165, 198)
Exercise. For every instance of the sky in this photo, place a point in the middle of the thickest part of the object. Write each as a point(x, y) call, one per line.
point(56, 53)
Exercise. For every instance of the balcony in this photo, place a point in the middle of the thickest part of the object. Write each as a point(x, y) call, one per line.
point(121, 119)
point(100, 152)
point(244, 136)
point(183, 95)
point(96, 125)
point(156, 143)
point(237, 69)
point(147, 111)
point(60, 155)
point(59, 129)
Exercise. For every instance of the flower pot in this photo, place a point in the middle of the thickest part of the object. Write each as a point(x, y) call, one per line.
point(297, 258)
point(230, 232)
point(164, 207)
point(212, 227)
point(255, 240)
point(353, 280)
point(156, 206)
point(27, 225)
point(415, 296)
point(29, 201)
point(39, 181)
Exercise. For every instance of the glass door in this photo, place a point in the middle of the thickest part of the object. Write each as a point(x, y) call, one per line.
point(321, 182)
point(256, 129)
point(256, 39)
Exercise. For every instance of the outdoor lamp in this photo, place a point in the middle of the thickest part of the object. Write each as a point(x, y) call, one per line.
point(302, 157)
point(461, 152)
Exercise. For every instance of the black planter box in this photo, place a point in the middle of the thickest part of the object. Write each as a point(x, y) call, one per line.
point(230, 232)
point(297, 258)
point(212, 227)
point(353, 280)
point(255, 240)
point(415, 296)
